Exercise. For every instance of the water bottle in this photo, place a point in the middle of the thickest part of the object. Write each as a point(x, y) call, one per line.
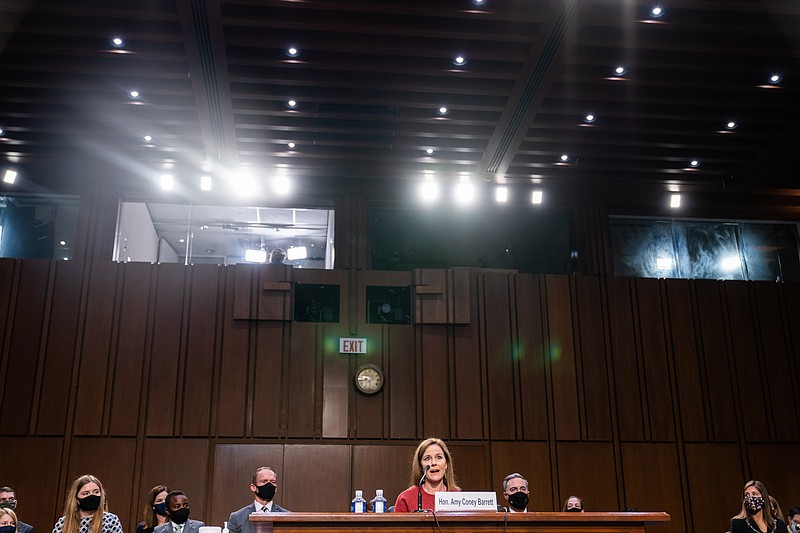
point(225, 528)
point(359, 504)
point(379, 503)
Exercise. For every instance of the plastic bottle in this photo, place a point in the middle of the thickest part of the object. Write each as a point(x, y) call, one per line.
point(379, 503)
point(359, 504)
point(225, 528)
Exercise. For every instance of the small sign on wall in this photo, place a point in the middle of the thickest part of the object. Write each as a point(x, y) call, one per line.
point(352, 345)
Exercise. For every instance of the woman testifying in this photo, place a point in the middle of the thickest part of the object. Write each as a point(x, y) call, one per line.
point(431, 472)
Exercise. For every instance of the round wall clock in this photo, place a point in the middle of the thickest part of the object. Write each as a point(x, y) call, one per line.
point(369, 379)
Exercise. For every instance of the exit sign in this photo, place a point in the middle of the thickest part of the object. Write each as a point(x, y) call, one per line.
point(351, 345)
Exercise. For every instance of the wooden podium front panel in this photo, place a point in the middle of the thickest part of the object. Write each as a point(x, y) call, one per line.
point(455, 522)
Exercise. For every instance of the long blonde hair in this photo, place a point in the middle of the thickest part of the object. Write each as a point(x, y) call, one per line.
point(72, 513)
point(416, 463)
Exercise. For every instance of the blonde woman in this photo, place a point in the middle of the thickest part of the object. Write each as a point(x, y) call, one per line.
point(8, 521)
point(85, 509)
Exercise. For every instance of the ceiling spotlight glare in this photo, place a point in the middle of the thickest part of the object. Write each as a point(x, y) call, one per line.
point(620, 71)
point(255, 256)
point(10, 176)
point(478, 2)
point(663, 263)
point(564, 158)
point(429, 151)
point(167, 182)
point(147, 138)
point(281, 185)
point(2, 132)
point(537, 197)
point(294, 253)
point(205, 183)
point(656, 12)
point(291, 146)
point(731, 125)
point(694, 163)
point(429, 191)
point(464, 193)
point(292, 51)
point(589, 118)
point(117, 42)
point(459, 60)
point(675, 201)
point(775, 78)
point(134, 94)
point(443, 110)
point(501, 195)
point(291, 104)
point(730, 263)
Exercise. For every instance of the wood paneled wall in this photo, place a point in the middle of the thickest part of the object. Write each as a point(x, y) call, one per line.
point(661, 395)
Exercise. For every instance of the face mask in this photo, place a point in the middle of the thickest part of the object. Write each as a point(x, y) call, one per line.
point(518, 500)
point(180, 516)
point(160, 508)
point(266, 492)
point(574, 510)
point(8, 529)
point(9, 505)
point(89, 503)
point(753, 504)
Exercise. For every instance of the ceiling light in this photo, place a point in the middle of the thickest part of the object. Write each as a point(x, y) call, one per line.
point(281, 184)
point(694, 163)
point(478, 2)
point(167, 182)
point(205, 183)
point(656, 12)
point(10, 176)
point(291, 146)
point(464, 193)
point(117, 42)
point(62, 243)
point(297, 252)
point(291, 104)
point(2, 131)
point(731, 262)
point(147, 138)
point(429, 151)
point(134, 94)
point(775, 78)
point(564, 158)
point(292, 52)
point(443, 110)
point(731, 125)
point(501, 194)
point(537, 197)
point(255, 256)
point(459, 60)
point(589, 118)
point(675, 201)
point(620, 71)
point(181, 240)
point(663, 263)
point(429, 191)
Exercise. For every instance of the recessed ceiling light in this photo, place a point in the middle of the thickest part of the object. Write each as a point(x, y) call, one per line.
point(731, 125)
point(2, 131)
point(167, 182)
point(775, 78)
point(443, 110)
point(291, 104)
point(429, 151)
point(117, 42)
point(459, 60)
point(620, 70)
point(657, 12)
point(675, 201)
point(536, 197)
point(62, 243)
point(501, 194)
point(564, 158)
point(134, 94)
point(478, 2)
point(147, 138)
point(10, 176)
point(292, 51)
point(205, 183)
point(694, 163)
point(291, 145)
point(181, 241)
point(589, 118)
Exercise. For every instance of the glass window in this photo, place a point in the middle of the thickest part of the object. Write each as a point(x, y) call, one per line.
point(316, 303)
point(388, 305)
point(41, 226)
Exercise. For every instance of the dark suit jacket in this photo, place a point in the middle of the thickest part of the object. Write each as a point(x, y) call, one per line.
point(22, 527)
point(191, 526)
point(239, 520)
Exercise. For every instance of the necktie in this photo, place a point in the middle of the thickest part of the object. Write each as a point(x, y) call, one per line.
point(178, 528)
point(264, 509)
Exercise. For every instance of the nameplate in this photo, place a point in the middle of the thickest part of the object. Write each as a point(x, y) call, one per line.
point(466, 501)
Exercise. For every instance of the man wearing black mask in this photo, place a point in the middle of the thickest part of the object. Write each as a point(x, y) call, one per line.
point(515, 491)
point(263, 485)
point(178, 513)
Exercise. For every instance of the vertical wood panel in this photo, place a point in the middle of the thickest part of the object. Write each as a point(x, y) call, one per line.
point(587, 470)
point(595, 377)
point(234, 466)
point(768, 463)
point(7, 267)
point(532, 460)
point(96, 350)
point(382, 467)
point(687, 361)
point(626, 364)
point(748, 368)
point(165, 383)
point(562, 358)
point(468, 373)
point(401, 384)
point(23, 354)
point(60, 351)
point(274, 304)
point(233, 365)
point(327, 466)
point(653, 482)
point(200, 346)
point(791, 300)
point(715, 481)
point(720, 381)
point(434, 380)
point(127, 378)
point(303, 378)
point(776, 363)
point(469, 463)
point(267, 399)
point(500, 377)
point(368, 409)
point(531, 356)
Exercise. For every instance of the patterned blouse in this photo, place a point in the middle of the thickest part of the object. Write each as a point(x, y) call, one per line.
point(111, 524)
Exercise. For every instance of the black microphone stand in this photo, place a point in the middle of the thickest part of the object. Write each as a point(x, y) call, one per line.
point(419, 489)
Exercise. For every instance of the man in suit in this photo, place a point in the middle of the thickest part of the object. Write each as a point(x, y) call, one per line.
point(8, 499)
point(515, 491)
point(178, 513)
point(263, 485)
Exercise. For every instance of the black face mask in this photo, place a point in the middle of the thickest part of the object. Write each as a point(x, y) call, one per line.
point(518, 500)
point(266, 491)
point(160, 508)
point(89, 503)
point(574, 510)
point(179, 516)
point(8, 529)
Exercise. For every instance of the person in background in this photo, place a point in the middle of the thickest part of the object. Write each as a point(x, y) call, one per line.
point(263, 485)
point(178, 513)
point(155, 509)
point(8, 500)
point(515, 491)
point(573, 505)
point(794, 520)
point(85, 509)
point(433, 461)
point(8, 521)
point(756, 515)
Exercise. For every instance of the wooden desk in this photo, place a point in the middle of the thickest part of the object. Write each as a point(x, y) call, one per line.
point(455, 522)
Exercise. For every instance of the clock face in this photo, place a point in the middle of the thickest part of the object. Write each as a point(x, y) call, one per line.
point(369, 379)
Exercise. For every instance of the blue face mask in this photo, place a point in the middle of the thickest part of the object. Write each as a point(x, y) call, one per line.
point(159, 508)
point(8, 529)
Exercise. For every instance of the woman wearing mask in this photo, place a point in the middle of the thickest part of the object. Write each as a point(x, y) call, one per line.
point(433, 461)
point(155, 510)
point(85, 509)
point(573, 505)
point(8, 521)
point(756, 515)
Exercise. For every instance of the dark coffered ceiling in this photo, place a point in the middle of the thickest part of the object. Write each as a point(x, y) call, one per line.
point(214, 78)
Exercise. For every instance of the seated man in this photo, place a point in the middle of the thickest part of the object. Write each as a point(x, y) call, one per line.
point(515, 491)
point(263, 485)
point(8, 500)
point(178, 513)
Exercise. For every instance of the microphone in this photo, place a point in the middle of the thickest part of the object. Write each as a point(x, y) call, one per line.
point(419, 489)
